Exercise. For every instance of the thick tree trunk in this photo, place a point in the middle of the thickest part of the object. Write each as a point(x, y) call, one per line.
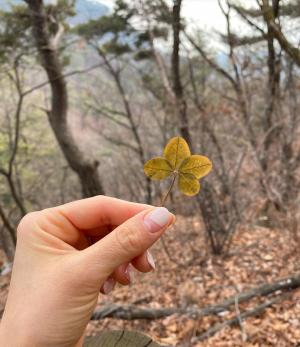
point(274, 69)
point(86, 169)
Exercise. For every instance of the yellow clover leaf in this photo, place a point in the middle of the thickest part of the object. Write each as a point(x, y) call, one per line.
point(178, 161)
point(158, 168)
point(176, 151)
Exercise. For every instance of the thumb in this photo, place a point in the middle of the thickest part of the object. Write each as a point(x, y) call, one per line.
point(129, 240)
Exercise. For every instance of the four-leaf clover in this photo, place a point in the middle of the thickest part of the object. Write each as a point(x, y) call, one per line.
point(178, 161)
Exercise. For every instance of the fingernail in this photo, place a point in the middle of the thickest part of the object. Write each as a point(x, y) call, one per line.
point(108, 285)
point(157, 219)
point(151, 260)
point(129, 272)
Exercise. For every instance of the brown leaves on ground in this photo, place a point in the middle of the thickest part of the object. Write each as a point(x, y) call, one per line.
point(258, 255)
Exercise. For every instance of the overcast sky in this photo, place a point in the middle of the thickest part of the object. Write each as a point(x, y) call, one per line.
point(206, 14)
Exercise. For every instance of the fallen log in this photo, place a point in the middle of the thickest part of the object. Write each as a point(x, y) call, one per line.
point(132, 312)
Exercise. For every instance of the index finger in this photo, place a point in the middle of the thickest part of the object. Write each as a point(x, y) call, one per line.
point(100, 210)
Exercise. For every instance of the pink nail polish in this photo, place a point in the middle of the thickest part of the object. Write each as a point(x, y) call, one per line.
point(108, 285)
point(157, 219)
point(151, 260)
point(129, 272)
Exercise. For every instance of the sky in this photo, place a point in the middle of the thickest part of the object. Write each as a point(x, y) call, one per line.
point(206, 14)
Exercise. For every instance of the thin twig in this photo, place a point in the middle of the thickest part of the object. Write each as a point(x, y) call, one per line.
point(233, 321)
point(239, 318)
point(68, 74)
point(163, 201)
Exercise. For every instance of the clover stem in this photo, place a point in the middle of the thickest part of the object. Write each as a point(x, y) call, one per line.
point(163, 201)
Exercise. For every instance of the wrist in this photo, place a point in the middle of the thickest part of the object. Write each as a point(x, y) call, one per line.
point(13, 335)
point(9, 336)
point(80, 342)
point(14, 339)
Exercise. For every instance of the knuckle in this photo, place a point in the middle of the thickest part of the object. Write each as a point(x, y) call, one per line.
point(51, 215)
point(27, 222)
point(127, 238)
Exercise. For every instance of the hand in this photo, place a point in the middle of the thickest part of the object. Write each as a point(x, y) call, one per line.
point(58, 273)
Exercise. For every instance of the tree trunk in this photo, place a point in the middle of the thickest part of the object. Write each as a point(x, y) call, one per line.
point(87, 170)
point(181, 106)
point(207, 204)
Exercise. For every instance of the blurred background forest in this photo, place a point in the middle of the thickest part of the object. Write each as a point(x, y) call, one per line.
point(90, 90)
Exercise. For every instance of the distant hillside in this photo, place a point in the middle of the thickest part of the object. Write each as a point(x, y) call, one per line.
point(88, 9)
point(85, 9)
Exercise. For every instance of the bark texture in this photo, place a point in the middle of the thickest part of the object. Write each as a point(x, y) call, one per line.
point(86, 169)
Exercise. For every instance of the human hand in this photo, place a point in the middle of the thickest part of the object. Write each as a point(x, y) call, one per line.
point(57, 273)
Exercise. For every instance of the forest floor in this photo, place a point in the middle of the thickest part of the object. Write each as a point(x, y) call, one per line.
point(195, 278)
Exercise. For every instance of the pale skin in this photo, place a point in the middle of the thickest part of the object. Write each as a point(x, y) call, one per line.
point(65, 256)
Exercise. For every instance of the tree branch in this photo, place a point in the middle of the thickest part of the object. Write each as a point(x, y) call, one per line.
point(269, 18)
point(210, 61)
point(7, 225)
point(109, 115)
point(238, 318)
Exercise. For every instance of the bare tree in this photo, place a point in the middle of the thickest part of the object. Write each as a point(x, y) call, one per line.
point(180, 101)
point(219, 220)
point(8, 172)
point(115, 73)
point(47, 45)
point(270, 15)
